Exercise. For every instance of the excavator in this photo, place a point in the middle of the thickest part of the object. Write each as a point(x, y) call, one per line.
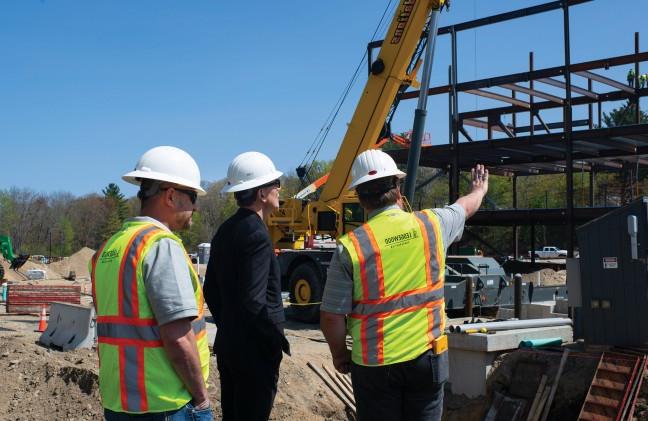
point(326, 209)
point(15, 261)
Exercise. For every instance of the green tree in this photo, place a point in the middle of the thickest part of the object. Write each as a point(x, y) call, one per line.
point(117, 210)
point(623, 116)
point(112, 223)
point(114, 195)
point(67, 236)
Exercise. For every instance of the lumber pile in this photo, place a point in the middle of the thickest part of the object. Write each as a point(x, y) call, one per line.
point(27, 298)
point(340, 385)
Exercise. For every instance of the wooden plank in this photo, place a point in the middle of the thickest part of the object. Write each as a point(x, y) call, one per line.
point(538, 395)
point(339, 384)
point(332, 386)
point(345, 381)
point(603, 401)
point(563, 360)
point(609, 384)
point(541, 404)
point(589, 416)
point(615, 368)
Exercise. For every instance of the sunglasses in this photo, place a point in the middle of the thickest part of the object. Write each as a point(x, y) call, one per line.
point(274, 183)
point(193, 195)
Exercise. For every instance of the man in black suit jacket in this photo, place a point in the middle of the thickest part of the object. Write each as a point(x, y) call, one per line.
point(243, 291)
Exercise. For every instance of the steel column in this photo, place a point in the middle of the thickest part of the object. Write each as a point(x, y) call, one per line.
point(568, 135)
point(591, 187)
point(517, 296)
point(516, 229)
point(636, 83)
point(531, 99)
point(454, 179)
point(590, 107)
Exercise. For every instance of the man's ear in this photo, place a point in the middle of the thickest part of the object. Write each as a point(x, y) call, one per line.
point(168, 197)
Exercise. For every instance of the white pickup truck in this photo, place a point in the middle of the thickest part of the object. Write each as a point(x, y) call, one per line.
point(549, 252)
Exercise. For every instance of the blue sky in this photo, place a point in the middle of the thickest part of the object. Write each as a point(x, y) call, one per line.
point(87, 87)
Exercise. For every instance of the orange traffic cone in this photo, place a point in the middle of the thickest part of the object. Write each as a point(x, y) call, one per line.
point(42, 323)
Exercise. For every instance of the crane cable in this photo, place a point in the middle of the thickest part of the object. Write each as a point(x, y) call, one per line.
point(318, 141)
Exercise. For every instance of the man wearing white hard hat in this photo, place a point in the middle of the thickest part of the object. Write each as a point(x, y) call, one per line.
point(152, 342)
point(243, 292)
point(385, 289)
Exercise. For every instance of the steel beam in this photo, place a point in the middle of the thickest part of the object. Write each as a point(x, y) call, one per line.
point(498, 97)
point(509, 217)
point(557, 125)
point(580, 100)
point(535, 75)
point(605, 80)
point(532, 92)
point(501, 17)
point(563, 85)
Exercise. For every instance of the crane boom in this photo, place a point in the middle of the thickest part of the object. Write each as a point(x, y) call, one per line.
point(388, 73)
point(299, 219)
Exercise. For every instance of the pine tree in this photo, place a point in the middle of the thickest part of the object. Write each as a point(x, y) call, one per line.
point(114, 195)
point(623, 116)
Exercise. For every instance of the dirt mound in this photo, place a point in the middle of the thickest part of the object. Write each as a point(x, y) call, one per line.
point(78, 262)
point(40, 384)
point(548, 277)
point(12, 275)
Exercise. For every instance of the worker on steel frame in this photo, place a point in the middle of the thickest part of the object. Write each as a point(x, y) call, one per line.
point(385, 289)
point(243, 292)
point(152, 341)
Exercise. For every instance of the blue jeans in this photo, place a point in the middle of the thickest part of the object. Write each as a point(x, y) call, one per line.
point(186, 413)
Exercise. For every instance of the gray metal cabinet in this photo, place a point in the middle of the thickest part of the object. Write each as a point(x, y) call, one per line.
point(614, 282)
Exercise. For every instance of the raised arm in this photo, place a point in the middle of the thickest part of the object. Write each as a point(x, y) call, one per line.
point(479, 187)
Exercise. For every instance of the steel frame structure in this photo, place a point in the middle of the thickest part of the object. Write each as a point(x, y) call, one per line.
point(525, 151)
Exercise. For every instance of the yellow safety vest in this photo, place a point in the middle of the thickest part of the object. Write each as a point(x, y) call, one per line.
point(135, 373)
point(398, 305)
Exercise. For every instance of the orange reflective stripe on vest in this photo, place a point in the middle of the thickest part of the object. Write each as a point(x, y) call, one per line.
point(131, 356)
point(93, 267)
point(128, 296)
point(373, 280)
point(434, 265)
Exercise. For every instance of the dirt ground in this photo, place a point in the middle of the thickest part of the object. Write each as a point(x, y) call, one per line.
point(43, 384)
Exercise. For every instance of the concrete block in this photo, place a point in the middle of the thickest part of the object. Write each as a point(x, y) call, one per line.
point(505, 313)
point(561, 306)
point(506, 339)
point(471, 356)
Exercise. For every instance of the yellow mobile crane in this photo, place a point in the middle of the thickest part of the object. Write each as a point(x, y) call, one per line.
point(337, 211)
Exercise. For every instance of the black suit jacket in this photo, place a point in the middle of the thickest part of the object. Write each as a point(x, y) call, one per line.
point(243, 287)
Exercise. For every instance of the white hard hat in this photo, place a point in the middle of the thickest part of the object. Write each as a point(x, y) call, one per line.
point(372, 165)
point(249, 170)
point(167, 163)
